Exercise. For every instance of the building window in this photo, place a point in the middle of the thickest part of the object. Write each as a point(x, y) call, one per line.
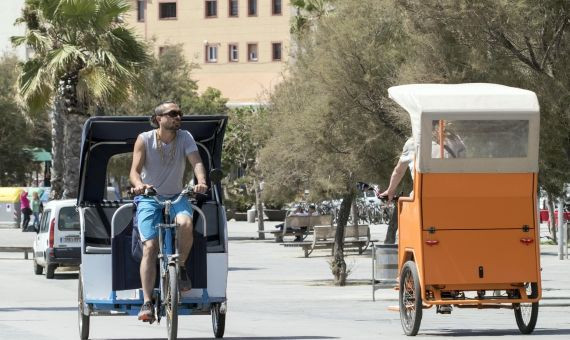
point(167, 10)
point(140, 10)
point(233, 8)
point(233, 53)
point(252, 52)
point(252, 7)
point(211, 8)
point(276, 7)
point(211, 53)
point(276, 51)
point(163, 49)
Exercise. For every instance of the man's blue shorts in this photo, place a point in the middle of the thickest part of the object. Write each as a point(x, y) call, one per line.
point(149, 214)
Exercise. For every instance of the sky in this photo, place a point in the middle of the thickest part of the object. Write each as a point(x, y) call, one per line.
point(9, 11)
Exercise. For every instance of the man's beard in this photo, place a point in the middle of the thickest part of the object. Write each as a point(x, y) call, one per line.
point(172, 127)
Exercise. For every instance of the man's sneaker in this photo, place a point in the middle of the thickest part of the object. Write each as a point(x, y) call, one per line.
point(146, 313)
point(184, 282)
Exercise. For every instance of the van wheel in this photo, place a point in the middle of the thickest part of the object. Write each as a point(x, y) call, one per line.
point(50, 269)
point(38, 270)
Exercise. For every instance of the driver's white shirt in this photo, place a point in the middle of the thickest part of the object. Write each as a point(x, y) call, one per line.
point(409, 151)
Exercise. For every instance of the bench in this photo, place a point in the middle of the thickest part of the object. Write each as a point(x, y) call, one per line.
point(355, 237)
point(25, 250)
point(299, 226)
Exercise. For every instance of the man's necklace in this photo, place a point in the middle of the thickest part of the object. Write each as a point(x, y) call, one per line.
point(164, 158)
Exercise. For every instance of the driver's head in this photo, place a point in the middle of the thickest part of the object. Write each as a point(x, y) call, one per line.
point(167, 110)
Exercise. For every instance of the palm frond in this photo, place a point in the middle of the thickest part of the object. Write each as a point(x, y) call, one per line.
point(47, 8)
point(76, 14)
point(64, 57)
point(94, 82)
point(127, 47)
point(109, 11)
point(36, 85)
point(34, 39)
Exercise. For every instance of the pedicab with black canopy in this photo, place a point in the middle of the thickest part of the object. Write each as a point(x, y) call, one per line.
point(109, 279)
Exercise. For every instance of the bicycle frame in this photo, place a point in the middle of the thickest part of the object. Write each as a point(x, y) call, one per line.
point(166, 254)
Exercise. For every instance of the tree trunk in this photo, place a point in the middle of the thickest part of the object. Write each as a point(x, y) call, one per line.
point(355, 214)
point(73, 130)
point(551, 218)
point(259, 208)
point(75, 116)
point(338, 265)
point(57, 138)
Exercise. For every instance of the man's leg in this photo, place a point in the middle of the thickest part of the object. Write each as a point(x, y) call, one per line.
point(148, 215)
point(148, 268)
point(185, 236)
point(185, 241)
point(392, 226)
point(148, 276)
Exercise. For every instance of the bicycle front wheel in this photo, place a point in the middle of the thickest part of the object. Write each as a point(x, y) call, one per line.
point(171, 303)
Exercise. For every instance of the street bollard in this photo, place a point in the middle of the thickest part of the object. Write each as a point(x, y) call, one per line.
point(562, 240)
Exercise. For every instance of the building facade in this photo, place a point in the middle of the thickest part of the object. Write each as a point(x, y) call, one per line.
point(241, 47)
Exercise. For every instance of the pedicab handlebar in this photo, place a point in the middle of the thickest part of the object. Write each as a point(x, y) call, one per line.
point(188, 192)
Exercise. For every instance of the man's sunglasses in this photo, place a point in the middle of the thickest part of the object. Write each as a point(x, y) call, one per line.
point(172, 113)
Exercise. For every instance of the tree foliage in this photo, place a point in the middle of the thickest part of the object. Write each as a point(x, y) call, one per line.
point(84, 58)
point(518, 43)
point(245, 135)
point(332, 113)
point(14, 133)
point(332, 123)
point(85, 38)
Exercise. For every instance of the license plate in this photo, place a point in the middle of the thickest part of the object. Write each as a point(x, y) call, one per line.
point(71, 239)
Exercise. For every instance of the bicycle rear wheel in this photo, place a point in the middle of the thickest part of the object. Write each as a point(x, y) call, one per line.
point(171, 303)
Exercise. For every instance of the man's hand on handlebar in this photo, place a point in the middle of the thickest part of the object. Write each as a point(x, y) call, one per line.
point(140, 189)
point(200, 188)
point(386, 195)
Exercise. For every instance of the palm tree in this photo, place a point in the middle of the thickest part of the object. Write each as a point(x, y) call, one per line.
point(83, 58)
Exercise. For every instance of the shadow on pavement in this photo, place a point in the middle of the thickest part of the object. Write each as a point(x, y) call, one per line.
point(490, 332)
point(38, 309)
point(231, 269)
point(300, 337)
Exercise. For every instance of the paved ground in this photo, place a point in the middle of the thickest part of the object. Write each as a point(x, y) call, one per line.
point(274, 293)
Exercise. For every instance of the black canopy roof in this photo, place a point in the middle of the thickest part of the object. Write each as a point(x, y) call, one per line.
point(104, 137)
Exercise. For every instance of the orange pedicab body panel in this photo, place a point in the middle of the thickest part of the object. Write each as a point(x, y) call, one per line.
point(478, 232)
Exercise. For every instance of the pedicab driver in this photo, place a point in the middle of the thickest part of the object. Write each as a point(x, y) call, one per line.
point(159, 160)
point(453, 148)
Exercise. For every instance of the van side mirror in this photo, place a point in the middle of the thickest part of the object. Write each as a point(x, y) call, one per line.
point(216, 175)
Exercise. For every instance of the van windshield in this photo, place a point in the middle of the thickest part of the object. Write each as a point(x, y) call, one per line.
point(480, 138)
point(68, 219)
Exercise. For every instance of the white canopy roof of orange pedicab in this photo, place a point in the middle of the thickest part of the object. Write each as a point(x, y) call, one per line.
point(469, 101)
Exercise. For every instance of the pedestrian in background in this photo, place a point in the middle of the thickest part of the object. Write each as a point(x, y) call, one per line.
point(26, 210)
point(35, 204)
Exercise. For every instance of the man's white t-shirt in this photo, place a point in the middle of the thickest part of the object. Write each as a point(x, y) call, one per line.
point(163, 167)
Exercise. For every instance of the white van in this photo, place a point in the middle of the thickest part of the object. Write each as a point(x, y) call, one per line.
point(58, 241)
